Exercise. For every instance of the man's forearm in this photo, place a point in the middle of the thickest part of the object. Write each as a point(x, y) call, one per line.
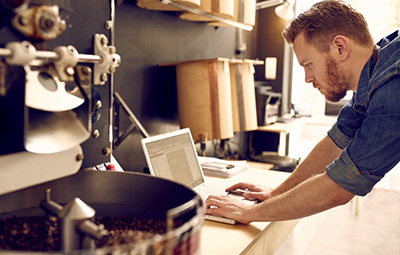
point(316, 194)
point(321, 156)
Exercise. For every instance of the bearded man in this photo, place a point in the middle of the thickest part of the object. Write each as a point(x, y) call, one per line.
point(331, 40)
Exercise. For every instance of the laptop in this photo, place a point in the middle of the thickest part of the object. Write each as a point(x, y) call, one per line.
point(173, 156)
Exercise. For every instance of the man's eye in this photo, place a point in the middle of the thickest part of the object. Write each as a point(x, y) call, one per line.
point(308, 66)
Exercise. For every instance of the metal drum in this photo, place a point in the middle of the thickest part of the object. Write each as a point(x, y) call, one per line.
point(118, 194)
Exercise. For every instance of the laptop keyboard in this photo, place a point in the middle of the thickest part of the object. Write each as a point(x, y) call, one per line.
point(210, 189)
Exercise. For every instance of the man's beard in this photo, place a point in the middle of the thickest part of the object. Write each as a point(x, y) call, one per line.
point(337, 85)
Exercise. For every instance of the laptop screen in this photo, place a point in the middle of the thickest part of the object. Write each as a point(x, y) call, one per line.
point(174, 157)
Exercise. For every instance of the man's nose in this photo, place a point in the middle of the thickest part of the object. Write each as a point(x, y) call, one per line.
point(309, 78)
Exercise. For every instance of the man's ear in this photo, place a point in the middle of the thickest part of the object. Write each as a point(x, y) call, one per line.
point(341, 47)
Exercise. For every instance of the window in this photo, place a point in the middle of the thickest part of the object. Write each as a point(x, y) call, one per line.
point(383, 18)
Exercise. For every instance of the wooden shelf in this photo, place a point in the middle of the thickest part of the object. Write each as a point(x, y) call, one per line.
point(209, 15)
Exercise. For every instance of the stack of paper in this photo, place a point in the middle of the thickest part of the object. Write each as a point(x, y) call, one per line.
point(222, 168)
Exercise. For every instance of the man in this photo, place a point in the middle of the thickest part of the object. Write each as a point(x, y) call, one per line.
point(332, 42)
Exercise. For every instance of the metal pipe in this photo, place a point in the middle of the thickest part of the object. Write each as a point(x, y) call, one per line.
point(46, 54)
point(83, 58)
point(50, 206)
point(94, 231)
point(87, 58)
point(5, 52)
point(111, 90)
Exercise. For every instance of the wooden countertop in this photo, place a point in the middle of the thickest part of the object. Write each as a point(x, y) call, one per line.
point(254, 238)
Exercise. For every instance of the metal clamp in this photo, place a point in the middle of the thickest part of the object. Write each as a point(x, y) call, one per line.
point(109, 59)
point(20, 53)
point(68, 59)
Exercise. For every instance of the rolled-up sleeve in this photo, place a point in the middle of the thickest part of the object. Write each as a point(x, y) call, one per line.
point(370, 142)
point(337, 136)
point(345, 173)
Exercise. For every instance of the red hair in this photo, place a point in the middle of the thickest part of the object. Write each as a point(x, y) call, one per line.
point(327, 19)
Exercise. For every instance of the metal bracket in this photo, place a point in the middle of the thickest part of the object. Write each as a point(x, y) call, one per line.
point(65, 63)
point(66, 58)
point(118, 139)
point(109, 59)
point(20, 53)
point(41, 22)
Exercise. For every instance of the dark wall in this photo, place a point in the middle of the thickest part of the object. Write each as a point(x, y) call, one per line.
point(146, 38)
point(270, 43)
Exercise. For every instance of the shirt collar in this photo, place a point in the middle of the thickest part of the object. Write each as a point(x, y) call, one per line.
point(361, 98)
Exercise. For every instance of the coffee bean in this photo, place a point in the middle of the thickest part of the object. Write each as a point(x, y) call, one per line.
point(41, 233)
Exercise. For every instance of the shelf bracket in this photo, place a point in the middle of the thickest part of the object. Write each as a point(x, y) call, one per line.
point(118, 139)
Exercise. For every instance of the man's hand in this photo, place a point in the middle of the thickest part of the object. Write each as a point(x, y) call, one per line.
point(229, 207)
point(317, 194)
point(253, 190)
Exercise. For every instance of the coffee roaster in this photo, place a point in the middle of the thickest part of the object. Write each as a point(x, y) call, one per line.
point(57, 60)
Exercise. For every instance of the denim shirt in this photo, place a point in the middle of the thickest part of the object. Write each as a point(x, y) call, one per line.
point(368, 126)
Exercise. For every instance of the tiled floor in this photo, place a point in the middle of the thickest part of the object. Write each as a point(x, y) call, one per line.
point(339, 231)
